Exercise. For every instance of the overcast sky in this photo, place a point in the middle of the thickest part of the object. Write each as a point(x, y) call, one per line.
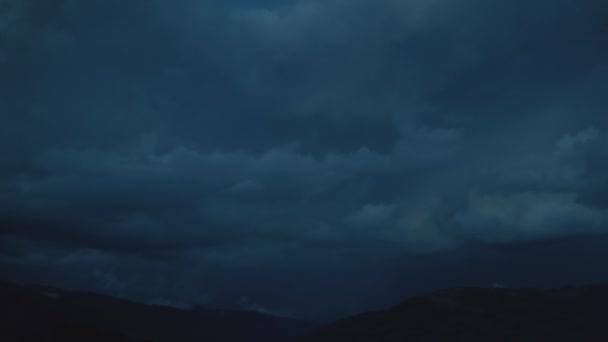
point(311, 158)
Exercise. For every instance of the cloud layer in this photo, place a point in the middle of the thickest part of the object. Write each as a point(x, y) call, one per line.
point(299, 147)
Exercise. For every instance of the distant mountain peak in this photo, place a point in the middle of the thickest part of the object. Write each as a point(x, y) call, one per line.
point(36, 313)
point(482, 314)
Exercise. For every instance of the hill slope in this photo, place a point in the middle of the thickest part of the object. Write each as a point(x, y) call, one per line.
point(482, 314)
point(46, 314)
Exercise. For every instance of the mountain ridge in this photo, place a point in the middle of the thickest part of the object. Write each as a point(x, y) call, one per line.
point(571, 313)
point(482, 314)
point(37, 313)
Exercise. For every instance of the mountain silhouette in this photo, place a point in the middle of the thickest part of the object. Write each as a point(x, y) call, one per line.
point(34, 313)
point(482, 314)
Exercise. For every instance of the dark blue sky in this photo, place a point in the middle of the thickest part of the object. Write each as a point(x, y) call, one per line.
point(312, 158)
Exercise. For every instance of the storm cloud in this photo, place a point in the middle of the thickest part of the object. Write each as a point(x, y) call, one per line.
point(203, 152)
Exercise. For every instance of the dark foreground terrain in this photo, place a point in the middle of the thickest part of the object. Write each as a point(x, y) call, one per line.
point(46, 314)
point(482, 314)
point(31, 313)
